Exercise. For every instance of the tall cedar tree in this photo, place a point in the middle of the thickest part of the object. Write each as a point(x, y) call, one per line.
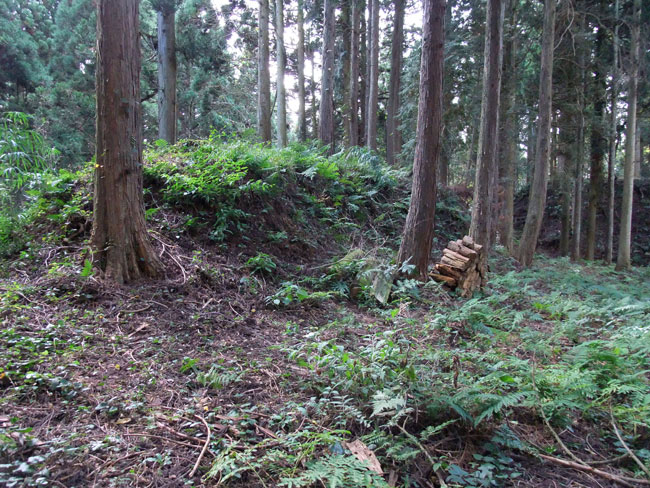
point(417, 237)
point(373, 78)
point(393, 136)
point(576, 241)
point(167, 70)
point(326, 127)
point(263, 74)
point(302, 117)
point(611, 183)
point(281, 66)
point(486, 166)
point(537, 199)
point(625, 237)
point(119, 235)
point(353, 92)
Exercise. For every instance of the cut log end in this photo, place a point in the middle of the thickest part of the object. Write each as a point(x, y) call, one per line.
point(459, 267)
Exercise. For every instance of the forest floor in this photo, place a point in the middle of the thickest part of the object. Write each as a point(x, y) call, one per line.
point(251, 369)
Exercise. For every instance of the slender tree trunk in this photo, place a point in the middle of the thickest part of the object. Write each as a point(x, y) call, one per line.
point(119, 239)
point(486, 166)
point(346, 28)
point(598, 145)
point(625, 237)
point(167, 75)
point(638, 155)
point(576, 242)
point(537, 200)
point(373, 80)
point(353, 92)
point(263, 74)
point(609, 251)
point(417, 237)
point(314, 111)
point(393, 136)
point(302, 118)
point(326, 129)
point(281, 67)
point(363, 73)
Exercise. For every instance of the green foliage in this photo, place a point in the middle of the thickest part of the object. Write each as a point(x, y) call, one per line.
point(261, 263)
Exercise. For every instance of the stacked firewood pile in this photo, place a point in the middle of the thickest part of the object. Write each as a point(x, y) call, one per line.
point(462, 266)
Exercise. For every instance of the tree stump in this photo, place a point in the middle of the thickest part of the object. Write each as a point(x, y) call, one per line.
point(460, 266)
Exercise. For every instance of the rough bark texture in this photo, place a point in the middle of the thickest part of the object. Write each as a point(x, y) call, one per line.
point(302, 117)
point(363, 73)
point(486, 166)
point(281, 62)
point(393, 136)
point(537, 200)
point(611, 166)
point(346, 28)
point(418, 230)
point(167, 75)
point(580, 148)
point(326, 128)
point(625, 237)
point(373, 79)
point(263, 74)
point(598, 146)
point(119, 240)
point(353, 92)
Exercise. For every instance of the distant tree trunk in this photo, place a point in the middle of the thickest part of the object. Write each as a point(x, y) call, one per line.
point(564, 173)
point(263, 74)
point(598, 144)
point(166, 75)
point(281, 67)
point(509, 134)
point(486, 166)
point(373, 79)
point(625, 237)
point(530, 149)
point(537, 200)
point(353, 92)
point(417, 237)
point(580, 148)
point(363, 74)
point(314, 111)
point(393, 136)
point(346, 28)
point(638, 155)
point(302, 118)
point(609, 250)
point(326, 129)
point(119, 239)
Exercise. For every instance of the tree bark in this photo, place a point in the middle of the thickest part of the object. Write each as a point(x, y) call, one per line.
point(326, 128)
point(580, 149)
point(373, 79)
point(302, 118)
point(281, 61)
point(393, 136)
point(623, 260)
point(363, 73)
point(119, 239)
point(263, 74)
point(167, 75)
point(537, 200)
point(346, 28)
point(611, 166)
point(417, 237)
point(353, 92)
point(486, 166)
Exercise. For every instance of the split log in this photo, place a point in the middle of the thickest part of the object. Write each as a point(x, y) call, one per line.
point(447, 280)
point(456, 256)
point(457, 246)
point(459, 267)
point(447, 270)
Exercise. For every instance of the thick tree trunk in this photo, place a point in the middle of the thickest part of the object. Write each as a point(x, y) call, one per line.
point(611, 166)
point(486, 166)
point(537, 200)
point(263, 74)
point(302, 118)
point(598, 145)
point(281, 61)
point(623, 260)
point(393, 136)
point(167, 75)
point(373, 79)
point(119, 240)
point(417, 237)
point(353, 92)
point(326, 129)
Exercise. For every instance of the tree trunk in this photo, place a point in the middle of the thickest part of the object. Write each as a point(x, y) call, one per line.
point(611, 167)
point(353, 92)
point(167, 75)
point(580, 149)
point(119, 239)
point(281, 121)
point(393, 136)
point(486, 166)
point(537, 200)
point(598, 144)
point(625, 237)
point(302, 118)
point(326, 129)
point(373, 79)
point(363, 73)
point(263, 74)
point(346, 28)
point(417, 237)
